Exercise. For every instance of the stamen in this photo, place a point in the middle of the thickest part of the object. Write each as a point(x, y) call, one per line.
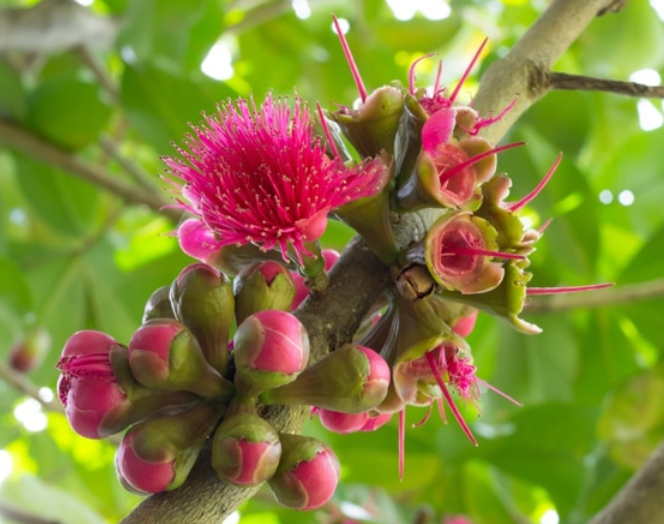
point(467, 72)
point(543, 227)
point(425, 419)
point(326, 130)
point(473, 160)
point(436, 84)
point(450, 402)
point(530, 196)
point(497, 391)
point(411, 72)
point(486, 252)
point(441, 410)
point(402, 442)
point(486, 122)
point(567, 289)
point(351, 62)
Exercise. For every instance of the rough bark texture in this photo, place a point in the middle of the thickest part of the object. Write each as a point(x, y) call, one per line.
point(359, 278)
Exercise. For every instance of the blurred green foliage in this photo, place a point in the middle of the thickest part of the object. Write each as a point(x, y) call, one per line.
point(74, 256)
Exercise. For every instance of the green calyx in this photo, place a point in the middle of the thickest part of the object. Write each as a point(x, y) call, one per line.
point(254, 293)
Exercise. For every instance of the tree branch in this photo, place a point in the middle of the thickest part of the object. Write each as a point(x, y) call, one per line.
point(588, 83)
point(603, 298)
point(19, 517)
point(523, 72)
point(640, 500)
point(48, 153)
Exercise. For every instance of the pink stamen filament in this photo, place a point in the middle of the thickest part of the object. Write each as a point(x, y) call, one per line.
point(439, 73)
point(425, 419)
point(530, 196)
point(351, 62)
point(543, 227)
point(402, 442)
point(448, 398)
point(441, 410)
point(486, 122)
point(326, 130)
point(473, 160)
point(467, 72)
point(497, 391)
point(567, 289)
point(485, 252)
point(411, 72)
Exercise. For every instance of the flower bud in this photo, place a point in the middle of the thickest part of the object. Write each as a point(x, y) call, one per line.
point(197, 240)
point(465, 325)
point(245, 450)
point(308, 473)
point(351, 379)
point(158, 305)
point(202, 299)
point(330, 256)
point(28, 354)
point(158, 454)
point(271, 348)
point(163, 354)
point(261, 286)
point(376, 421)
point(343, 423)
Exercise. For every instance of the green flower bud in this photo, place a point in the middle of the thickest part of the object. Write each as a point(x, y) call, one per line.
point(158, 305)
point(202, 299)
point(261, 286)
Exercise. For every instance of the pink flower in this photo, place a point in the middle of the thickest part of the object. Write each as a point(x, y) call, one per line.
point(88, 387)
point(258, 175)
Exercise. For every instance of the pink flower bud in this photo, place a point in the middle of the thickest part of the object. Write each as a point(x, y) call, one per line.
point(376, 421)
point(163, 354)
point(29, 353)
point(158, 454)
point(271, 348)
point(88, 387)
point(197, 240)
point(342, 422)
point(307, 475)
point(246, 450)
point(465, 325)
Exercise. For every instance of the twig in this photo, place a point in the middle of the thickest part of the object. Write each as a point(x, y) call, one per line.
point(134, 170)
point(104, 79)
point(640, 500)
point(23, 518)
point(22, 383)
point(259, 15)
point(588, 83)
point(523, 72)
point(43, 150)
point(606, 297)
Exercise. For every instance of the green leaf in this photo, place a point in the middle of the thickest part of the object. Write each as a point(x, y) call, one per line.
point(161, 100)
point(14, 290)
point(12, 93)
point(68, 112)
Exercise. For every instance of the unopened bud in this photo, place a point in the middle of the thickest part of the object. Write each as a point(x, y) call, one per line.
point(28, 354)
point(261, 286)
point(308, 473)
point(158, 305)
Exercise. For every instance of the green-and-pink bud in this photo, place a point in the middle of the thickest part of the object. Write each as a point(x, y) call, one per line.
point(202, 299)
point(351, 379)
point(158, 454)
point(261, 286)
point(308, 473)
point(163, 354)
point(351, 422)
point(246, 450)
point(158, 305)
point(271, 348)
point(28, 354)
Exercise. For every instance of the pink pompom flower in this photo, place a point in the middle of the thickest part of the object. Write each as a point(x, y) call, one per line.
point(259, 175)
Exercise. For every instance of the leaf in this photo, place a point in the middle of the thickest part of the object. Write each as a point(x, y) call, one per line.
point(12, 93)
point(161, 100)
point(68, 112)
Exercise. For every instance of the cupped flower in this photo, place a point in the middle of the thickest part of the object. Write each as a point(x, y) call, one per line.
point(88, 387)
point(259, 175)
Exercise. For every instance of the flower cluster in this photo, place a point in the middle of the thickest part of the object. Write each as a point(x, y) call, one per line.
point(260, 186)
